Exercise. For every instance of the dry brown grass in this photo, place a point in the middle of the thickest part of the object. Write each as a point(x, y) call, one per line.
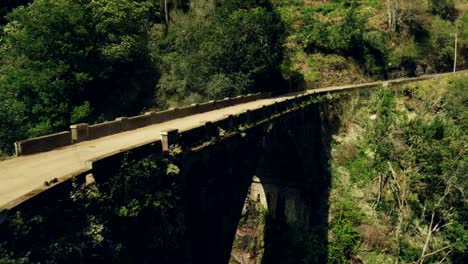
point(462, 8)
point(314, 2)
point(345, 152)
point(374, 237)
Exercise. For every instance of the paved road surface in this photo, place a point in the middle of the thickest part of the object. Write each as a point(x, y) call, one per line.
point(22, 175)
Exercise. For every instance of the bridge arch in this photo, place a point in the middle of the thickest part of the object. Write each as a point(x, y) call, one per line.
point(216, 187)
point(275, 164)
point(281, 171)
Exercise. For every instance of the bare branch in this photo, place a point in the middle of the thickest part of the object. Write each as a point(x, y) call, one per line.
point(437, 251)
point(429, 235)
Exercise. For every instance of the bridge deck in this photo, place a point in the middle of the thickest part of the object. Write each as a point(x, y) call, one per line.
point(22, 175)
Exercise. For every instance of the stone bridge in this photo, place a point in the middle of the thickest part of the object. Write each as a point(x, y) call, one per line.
point(272, 143)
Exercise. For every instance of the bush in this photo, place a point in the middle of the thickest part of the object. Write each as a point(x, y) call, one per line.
point(457, 234)
point(343, 235)
point(235, 49)
point(343, 241)
point(408, 253)
point(360, 170)
point(443, 8)
point(349, 37)
point(61, 59)
point(455, 100)
point(441, 45)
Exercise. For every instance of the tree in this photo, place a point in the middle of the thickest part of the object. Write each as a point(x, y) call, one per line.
point(405, 16)
point(8, 5)
point(443, 8)
point(442, 41)
point(248, 41)
point(12, 114)
point(222, 48)
point(46, 69)
point(125, 73)
point(61, 59)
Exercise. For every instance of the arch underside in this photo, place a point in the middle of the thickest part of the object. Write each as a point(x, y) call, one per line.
point(276, 164)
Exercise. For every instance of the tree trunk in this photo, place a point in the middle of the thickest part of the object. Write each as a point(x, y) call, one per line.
point(392, 13)
point(166, 16)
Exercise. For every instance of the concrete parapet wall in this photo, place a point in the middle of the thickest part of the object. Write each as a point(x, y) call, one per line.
point(204, 107)
point(204, 133)
point(226, 102)
point(163, 116)
point(82, 132)
point(44, 143)
point(188, 111)
point(105, 129)
point(137, 121)
point(173, 113)
point(408, 80)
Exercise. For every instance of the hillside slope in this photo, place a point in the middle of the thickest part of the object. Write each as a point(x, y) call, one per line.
point(399, 166)
point(342, 42)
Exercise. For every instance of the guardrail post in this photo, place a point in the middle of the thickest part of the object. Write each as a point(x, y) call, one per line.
point(149, 120)
point(3, 215)
point(123, 122)
point(248, 116)
point(168, 138)
point(263, 112)
point(276, 109)
point(89, 179)
point(210, 130)
point(17, 149)
point(230, 122)
point(79, 132)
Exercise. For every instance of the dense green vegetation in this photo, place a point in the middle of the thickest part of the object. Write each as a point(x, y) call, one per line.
point(61, 60)
point(339, 42)
point(7, 6)
point(399, 161)
point(67, 61)
point(232, 50)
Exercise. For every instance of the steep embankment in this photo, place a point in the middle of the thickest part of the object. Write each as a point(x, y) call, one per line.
point(343, 42)
point(399, 167)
